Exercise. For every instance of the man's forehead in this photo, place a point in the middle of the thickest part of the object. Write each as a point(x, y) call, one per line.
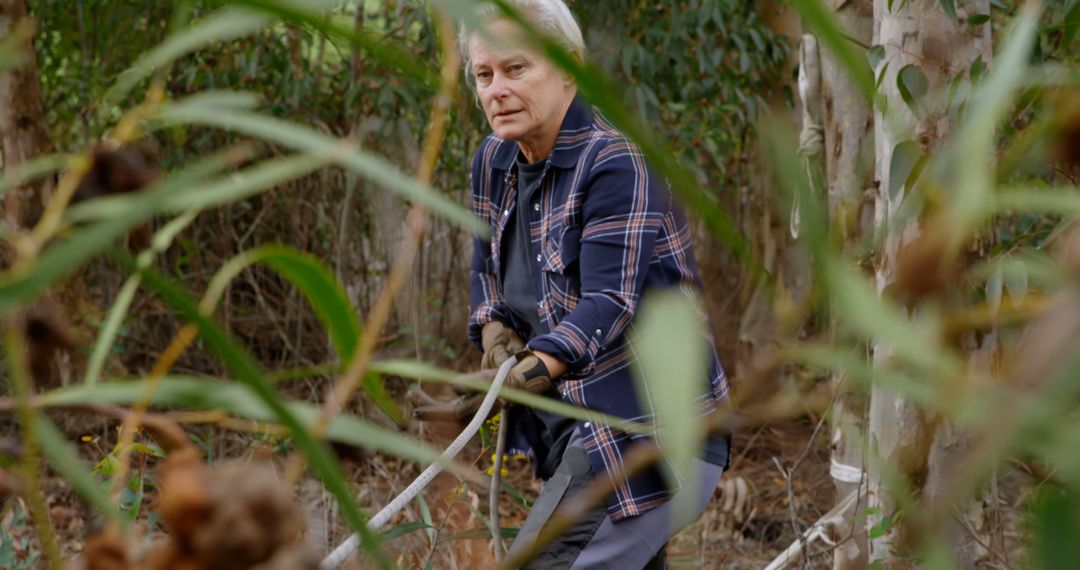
point(498, 42)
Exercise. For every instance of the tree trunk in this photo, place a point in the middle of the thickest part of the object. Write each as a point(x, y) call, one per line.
point(849, 151)
point(919, 34)
point(23, 132)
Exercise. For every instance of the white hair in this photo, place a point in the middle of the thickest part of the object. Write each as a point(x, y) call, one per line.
point(551, 17)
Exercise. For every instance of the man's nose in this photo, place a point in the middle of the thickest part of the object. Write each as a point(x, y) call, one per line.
point(500, 88)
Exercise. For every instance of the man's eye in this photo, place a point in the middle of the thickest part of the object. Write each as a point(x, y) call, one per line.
point(483, 75)
point(517, 67)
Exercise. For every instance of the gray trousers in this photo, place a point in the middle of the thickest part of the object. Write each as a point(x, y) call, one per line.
point(595, 542)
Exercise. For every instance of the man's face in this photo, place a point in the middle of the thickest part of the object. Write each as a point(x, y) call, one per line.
point(523, 96)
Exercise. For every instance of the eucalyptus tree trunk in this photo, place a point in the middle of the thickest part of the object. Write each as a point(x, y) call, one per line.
point(924, 50)
point(849, 155)
point(23, 131)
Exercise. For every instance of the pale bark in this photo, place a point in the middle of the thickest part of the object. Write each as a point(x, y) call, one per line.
point(917, 33)
point(23, 132)
point(849, 160)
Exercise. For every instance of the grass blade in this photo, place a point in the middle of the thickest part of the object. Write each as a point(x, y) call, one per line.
point(672, 357)
point(372, 43)
point(307, 139)
point(225, 25)
point(243, 366)
point(322, 291)
point(60, 260)
point(32, 169)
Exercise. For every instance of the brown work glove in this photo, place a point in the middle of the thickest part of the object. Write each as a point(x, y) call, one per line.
point(499, 342)
point(529, 374)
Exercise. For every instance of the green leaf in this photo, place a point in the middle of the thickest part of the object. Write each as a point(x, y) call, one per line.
point(243, 366)
point(61, 259)
point(479, 533)
point(1016, 281)
point(378, 45)
point(977, 70)
point(1042, 200)
point(994, 289)
point(975, 140)
point(881, 75)
point(307, 139)
point(874, 55)
point(402, 529)
point(227, 24)
point(1070, 24)
point(905, 166)
point(115, 317)
point(978, 19)
point(429, 373)
point(65, 460)
point(322, 291)
point(1056, 516)
point(185, 392)
point(859, 307)
point(670, 371)
point(913, 85)
point(32, 169)
point(949, 6)
point(234, 187)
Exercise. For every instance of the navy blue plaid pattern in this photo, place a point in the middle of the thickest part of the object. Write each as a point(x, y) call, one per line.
point(603, 230)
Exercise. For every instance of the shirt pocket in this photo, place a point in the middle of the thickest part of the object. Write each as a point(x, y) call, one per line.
point(561, 250)
point(561, 275)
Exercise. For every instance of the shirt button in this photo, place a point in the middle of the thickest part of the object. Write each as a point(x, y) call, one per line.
point(587, 424)
point(539, 257)
point(599, 332)
point(540, 304)
point(536, 206)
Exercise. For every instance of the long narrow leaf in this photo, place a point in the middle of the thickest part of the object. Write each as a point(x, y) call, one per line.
point(374, 44)
point(244, 367)
point(183, 392)
point(322, 292)
point(671, 367)
point(429, 373)
point(32, 169)
point(60, 260)
point(975, 141)
point(307, 139)
point(227, 24)
point(115, 317)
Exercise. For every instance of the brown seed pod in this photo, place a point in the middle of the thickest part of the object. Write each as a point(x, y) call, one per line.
point(48, 331)
point(252, 516)
point(184, 502)
point(106, 550)
point(119, 170)
point(923, 267)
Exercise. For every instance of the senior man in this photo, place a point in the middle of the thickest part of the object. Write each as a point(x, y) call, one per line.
point(580, 228)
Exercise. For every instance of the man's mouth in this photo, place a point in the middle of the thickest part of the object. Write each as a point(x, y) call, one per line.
point(504, 114)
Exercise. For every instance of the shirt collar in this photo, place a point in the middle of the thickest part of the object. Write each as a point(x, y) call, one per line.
point(564, 154)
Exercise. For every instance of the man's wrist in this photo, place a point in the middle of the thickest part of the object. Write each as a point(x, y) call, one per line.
point(556, 367)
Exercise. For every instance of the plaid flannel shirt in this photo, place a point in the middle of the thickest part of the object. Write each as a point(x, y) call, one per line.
point(603, 230)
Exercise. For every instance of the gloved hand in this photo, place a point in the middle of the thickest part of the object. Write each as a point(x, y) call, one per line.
point(529, 374)
point(499, 342)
